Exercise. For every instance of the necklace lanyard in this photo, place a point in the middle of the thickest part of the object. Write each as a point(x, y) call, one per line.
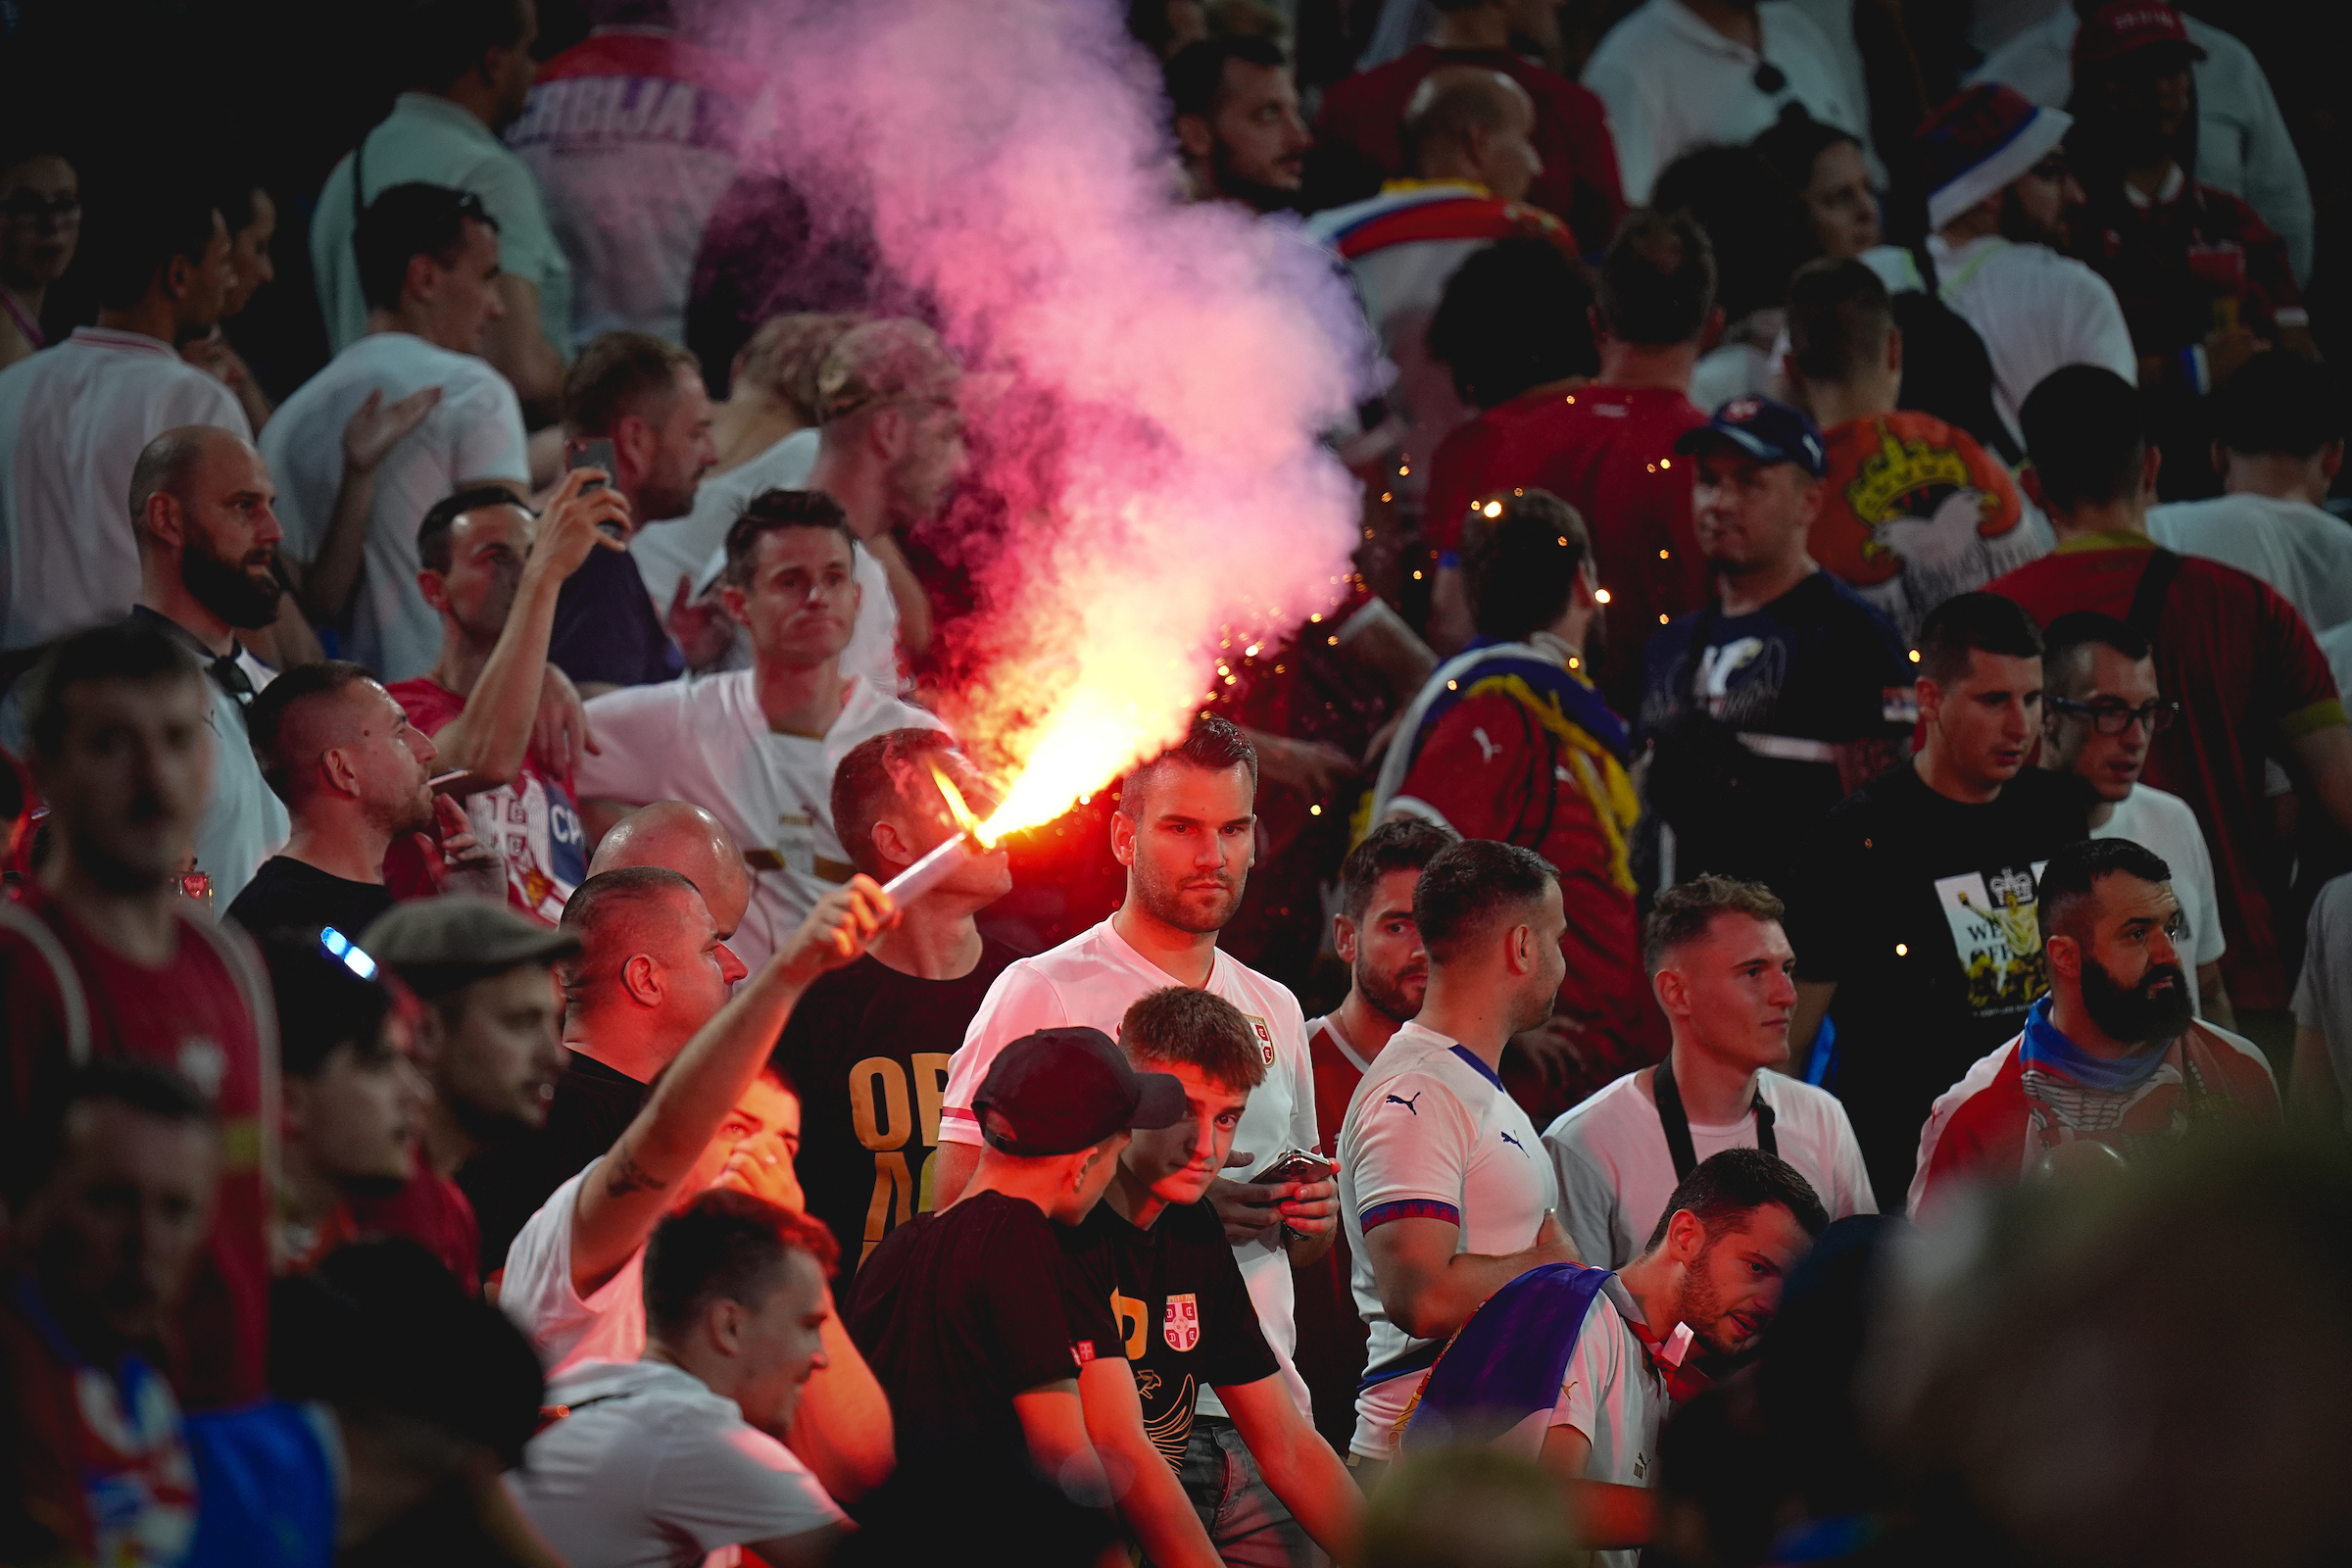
point(24, 320)
point(1677, 1123)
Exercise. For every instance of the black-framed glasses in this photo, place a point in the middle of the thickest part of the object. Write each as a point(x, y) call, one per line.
point(30, 208)
point(2113, 718)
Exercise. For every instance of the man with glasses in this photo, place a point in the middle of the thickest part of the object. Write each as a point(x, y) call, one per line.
point(2112, 1055)
point(40, 224)
point(2100, 712)
point(1998, 195)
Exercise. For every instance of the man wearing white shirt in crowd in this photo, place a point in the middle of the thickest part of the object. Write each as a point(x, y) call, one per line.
point(2100, 711)
point(765, 433)
point(2244, 145)
point(74, 418)
point(2278, 443)
point(467, 67)
point(428, 264)
point(757, 748)
point(658, 1461)
point(1444, 1188)
point(1725, 976)
point(201, 499)
point(1186, 830)
point(1999, 191)
point(575, 1276)
point(1681, 73)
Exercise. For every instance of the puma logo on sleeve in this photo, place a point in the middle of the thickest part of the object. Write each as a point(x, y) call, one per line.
point(1400, 1100)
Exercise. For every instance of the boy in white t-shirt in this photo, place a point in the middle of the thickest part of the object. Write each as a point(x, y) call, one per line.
point(1186, 830)
point(429, 263)
point(656, 1462)
point(2100, 712)
point(1724, 974)
point(1443, 1185)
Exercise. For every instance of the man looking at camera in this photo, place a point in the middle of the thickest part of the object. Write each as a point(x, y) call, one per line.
point(1186, 830)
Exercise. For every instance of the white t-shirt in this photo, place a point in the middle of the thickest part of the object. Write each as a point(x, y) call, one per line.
point(1670, 84)
point(2323, 993)
point(2244, 145)
point(695, 547)
point(1616, 1173)
point(653, 1470)
point(2303, 552)
point(1431, 1134)
point(2037, 311)
point(473, 433)
point(564, 1327)
point(1615, 1395)
point(706, 742)
point(2156, 820)
point(1091, 980)
point(430, 139)
point(74, 420)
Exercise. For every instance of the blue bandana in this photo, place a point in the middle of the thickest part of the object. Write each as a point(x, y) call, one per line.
point(2046, 1046)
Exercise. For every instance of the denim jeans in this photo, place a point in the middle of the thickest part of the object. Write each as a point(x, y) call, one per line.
point(1246, 1522)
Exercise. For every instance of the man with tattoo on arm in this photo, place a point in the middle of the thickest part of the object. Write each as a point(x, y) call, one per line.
point(574, 1275)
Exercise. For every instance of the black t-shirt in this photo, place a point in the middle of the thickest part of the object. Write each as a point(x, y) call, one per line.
point(1734, 704)
point(958, 1312)
point(867, 1047)
point(507, 1181)
point(1922, 910)
point(287, 894)
point(1182, 1313)
point(607, 628)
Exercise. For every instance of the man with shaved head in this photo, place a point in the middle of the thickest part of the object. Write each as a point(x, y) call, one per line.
point(651, 968)
point(691, 842)
point(1469, 133)
point(201, 501)
point(340, 752)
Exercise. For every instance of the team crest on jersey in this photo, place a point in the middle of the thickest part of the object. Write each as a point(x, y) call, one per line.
point(1181, 1325)
point(1265, 1036)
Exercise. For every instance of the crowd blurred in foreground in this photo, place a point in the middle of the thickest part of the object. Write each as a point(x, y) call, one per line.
point(1739, 997)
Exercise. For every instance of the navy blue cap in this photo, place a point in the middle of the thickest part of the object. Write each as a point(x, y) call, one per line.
point(1767, 431)
point(1058, 1090)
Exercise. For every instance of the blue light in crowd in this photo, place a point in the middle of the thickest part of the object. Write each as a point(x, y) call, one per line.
point(355, 958)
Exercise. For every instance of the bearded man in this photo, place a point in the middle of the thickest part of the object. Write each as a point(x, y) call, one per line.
point(2112, 1055)
point(202, 500)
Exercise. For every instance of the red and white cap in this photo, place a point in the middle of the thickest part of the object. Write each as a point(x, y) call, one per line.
point(2126, 27)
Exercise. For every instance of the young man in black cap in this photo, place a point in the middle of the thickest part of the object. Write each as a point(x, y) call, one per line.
point(490, 1037)
point(1788, 691)
point(1155, 1249)
point(978, 1330)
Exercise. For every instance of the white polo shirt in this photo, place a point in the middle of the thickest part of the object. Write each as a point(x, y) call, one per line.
point(2156, 819)
point(2037, 311)
point(1091, 979)
point(1616, 1172)
point(1670, 84)
point(1431, 1134)
point(653, 1470)
point(695, 547)
point(73, 420)
point(473, 433)
point(428, 139)
point(707, 742)
point(564, 1325)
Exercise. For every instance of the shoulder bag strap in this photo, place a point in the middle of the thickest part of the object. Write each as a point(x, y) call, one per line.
point(2155, 581)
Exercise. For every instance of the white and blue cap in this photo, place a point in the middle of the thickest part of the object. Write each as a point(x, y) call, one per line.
point(1766, 430)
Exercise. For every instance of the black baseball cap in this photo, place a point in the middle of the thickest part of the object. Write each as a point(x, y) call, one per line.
point(1058, 1090)
point(1766, 430)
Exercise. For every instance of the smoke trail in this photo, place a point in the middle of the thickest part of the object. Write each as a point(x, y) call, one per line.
point(1154, 374)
